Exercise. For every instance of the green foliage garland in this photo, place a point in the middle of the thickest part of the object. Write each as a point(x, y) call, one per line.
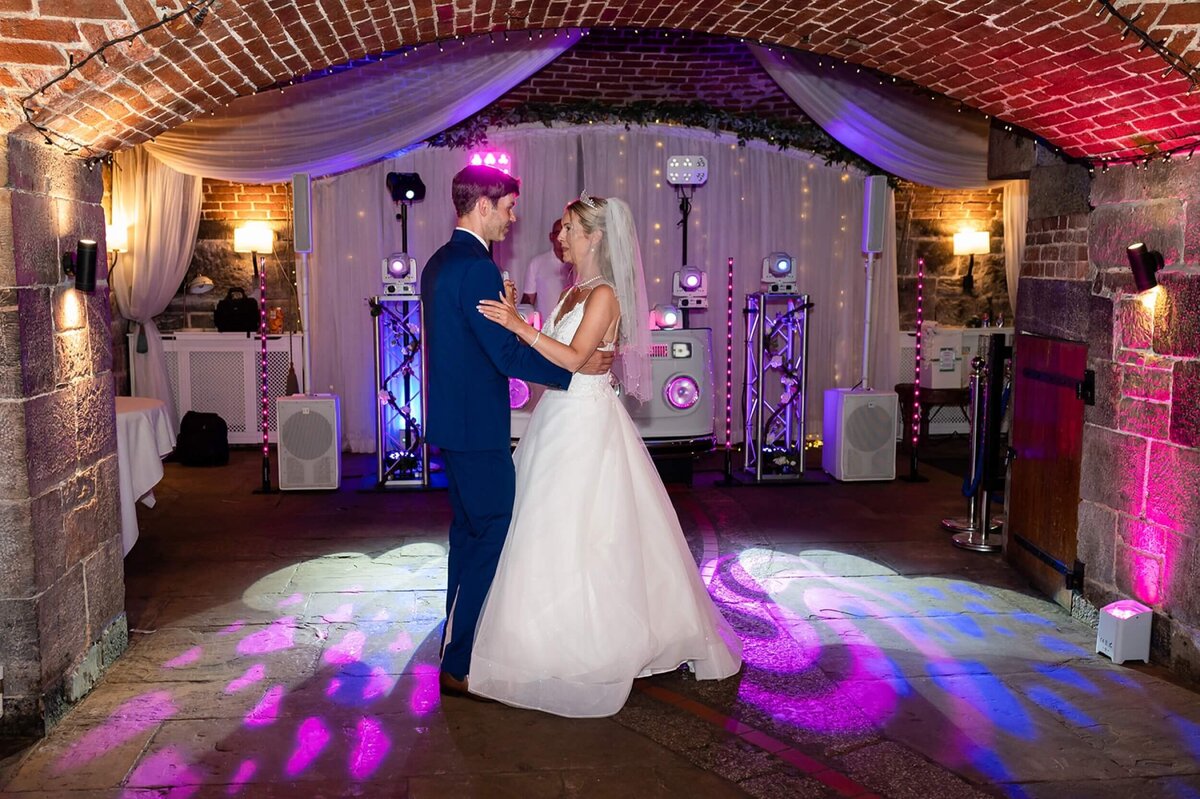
point(809, 137)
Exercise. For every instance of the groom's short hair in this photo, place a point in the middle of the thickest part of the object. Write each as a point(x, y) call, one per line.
point(474, 182)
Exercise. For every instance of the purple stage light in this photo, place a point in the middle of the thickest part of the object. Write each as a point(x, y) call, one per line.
point(496, 159)
point(311, 739)
point(398, 266)
point(518, 393)
point(780, 267)
point(681, 392)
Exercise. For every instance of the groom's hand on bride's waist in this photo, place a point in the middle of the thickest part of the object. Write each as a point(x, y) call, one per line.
point(598, 364)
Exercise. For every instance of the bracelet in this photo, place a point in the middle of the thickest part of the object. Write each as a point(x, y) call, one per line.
point(535, 339)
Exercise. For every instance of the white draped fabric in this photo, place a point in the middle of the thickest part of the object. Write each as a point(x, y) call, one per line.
point(161, 207)
point(758, 200)
point(917, 140)
point(1016, 216)
point(355, 117)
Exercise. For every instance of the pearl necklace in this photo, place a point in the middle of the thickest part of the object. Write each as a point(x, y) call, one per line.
point(591, 280)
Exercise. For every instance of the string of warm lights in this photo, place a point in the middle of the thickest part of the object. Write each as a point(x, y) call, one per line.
point(197, 10)
point(1175, 62)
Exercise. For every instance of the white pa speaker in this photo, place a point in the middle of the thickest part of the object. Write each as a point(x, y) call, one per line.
point(860, 434)
point(681, 402)
point(874, 213)
point(310, 436)
point(301, 212)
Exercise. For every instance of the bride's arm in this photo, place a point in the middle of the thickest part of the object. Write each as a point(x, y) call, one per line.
point(598, 315)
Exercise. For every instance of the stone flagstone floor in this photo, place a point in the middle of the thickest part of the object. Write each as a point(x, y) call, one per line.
point(286, 645)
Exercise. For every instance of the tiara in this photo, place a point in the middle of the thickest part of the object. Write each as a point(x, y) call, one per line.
point(587, 200)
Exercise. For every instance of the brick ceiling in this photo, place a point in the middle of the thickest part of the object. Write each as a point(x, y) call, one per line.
point(1058, 68)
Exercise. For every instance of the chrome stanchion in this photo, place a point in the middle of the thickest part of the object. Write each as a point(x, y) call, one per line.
point(974, 532)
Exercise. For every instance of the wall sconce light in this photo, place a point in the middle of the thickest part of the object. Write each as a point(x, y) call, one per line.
point(1145, 264)
point(81, 265)
point(971, 243)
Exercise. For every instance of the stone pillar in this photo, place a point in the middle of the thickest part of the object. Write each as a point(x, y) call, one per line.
point(62, 595)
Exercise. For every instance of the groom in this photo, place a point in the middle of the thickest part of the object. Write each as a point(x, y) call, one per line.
point(468, 363)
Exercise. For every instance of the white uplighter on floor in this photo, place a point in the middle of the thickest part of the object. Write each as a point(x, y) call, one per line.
point(1124, 631)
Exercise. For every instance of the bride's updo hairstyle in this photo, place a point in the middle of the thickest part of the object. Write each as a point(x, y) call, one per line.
point(590, 212)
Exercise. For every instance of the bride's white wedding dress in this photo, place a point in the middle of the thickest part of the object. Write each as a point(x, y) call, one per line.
point(596, 585)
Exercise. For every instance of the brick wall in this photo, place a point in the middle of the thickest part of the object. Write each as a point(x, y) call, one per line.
point(1139, 522)
point(1058, 69)
point(926, 221)
point(62, 593)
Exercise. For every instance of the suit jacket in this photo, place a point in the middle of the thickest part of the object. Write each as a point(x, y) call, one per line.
point(469, 359)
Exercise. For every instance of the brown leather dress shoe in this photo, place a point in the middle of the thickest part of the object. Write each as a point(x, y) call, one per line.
point(449, 685)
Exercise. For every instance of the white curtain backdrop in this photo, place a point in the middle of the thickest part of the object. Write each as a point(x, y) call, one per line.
point(915, 139)
point(757, 200)
point(355, 117)
point(1016, 216)
point(162, 209)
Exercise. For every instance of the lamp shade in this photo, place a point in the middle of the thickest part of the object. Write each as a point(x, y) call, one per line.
point(253, 237)
point(116, 238)
point(972, 242)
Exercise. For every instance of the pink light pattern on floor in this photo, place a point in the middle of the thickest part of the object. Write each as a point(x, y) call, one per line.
point(186, 659)
point(287, 602)
point(342, 613)
point(164, 768)
point(403, 642)
point(348, 650)
point(121, 726)
point(233, 628)
point(267, 709)
point(311, 739)
point(280, 635)
point(371, 746)
point(252, 675)
point(244, 774)
point(425, 695)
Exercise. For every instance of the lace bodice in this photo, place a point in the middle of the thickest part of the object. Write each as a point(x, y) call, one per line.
point(563, 330)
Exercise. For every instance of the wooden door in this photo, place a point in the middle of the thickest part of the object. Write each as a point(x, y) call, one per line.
point(1047, 434)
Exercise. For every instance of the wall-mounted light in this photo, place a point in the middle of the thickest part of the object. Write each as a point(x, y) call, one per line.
point(1145, 264)
point(81, 265)
point(971, 243)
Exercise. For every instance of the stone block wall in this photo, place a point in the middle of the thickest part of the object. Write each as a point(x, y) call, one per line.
point(926, 221)
point(1139, 518)
point(62, 590)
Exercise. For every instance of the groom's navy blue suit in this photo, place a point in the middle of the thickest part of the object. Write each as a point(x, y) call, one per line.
point(468, 362)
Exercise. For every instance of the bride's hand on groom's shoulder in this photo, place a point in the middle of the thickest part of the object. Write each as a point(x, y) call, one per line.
point(502, 313)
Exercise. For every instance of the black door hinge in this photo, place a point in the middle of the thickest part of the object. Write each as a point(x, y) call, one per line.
point(1086, 389)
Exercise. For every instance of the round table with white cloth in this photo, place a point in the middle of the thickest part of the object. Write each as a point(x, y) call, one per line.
point(144, 436)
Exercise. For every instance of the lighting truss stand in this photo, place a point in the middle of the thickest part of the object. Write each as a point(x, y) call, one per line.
point(400, 410)
point(776, 385)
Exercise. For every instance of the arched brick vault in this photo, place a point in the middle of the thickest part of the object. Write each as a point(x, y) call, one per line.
point(1054, 67)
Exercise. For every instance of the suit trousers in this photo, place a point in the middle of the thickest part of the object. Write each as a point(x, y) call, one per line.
point(482, 489)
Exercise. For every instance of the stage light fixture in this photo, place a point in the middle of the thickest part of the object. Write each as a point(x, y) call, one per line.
point(1145, 264)
point(690, 288)
point(681, 392)
point(665, 317)
point(687, 170)
point(496, 159)
point(81, 265)
point(405, 187)
point(400, 274)
point(779, 273)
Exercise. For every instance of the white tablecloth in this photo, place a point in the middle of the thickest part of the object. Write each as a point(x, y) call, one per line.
point(144, 436)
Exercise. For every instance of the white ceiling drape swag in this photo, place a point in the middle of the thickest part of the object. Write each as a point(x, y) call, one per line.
point(912, 138)
point(355, 117)
point(161, 209)
point(757, 200)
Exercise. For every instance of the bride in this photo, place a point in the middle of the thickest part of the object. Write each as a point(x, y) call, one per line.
point(596, 585)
